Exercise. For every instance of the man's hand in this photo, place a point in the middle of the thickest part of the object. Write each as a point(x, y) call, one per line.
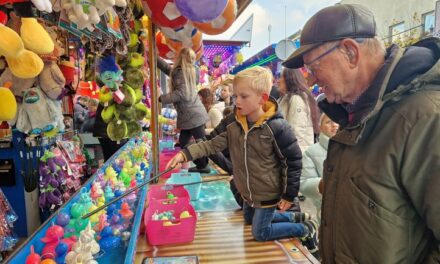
point(283, 205)
point(176, 161)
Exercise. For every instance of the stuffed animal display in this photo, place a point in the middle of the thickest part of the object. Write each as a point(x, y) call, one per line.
point(86, 14)
point(122, 102)
point(36, 84)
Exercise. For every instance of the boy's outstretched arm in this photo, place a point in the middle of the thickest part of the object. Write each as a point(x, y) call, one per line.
point(200, 150)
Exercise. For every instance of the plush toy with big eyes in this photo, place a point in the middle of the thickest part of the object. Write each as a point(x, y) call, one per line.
point(109, 73)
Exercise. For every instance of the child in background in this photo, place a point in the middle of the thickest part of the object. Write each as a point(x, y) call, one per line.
point(266, 160)
point(80, 111)
point(89, 121)
point(215, 116)
point(313, 162)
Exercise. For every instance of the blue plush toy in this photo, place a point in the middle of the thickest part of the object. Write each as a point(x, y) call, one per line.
point(109, 73)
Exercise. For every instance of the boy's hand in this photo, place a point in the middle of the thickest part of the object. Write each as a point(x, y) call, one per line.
point(283, 205)
point(176, 161)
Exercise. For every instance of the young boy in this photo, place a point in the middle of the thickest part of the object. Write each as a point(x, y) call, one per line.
point(266, 160)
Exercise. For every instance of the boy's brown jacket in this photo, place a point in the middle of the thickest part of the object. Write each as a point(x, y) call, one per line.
point(266, 158)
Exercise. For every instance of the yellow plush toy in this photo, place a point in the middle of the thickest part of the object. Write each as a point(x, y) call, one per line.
point(35, 37)
point(23, 63)
point(8, 107)
point(26, 65)
point(10, 42)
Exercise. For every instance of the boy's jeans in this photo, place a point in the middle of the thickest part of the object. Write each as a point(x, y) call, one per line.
point(270, 225)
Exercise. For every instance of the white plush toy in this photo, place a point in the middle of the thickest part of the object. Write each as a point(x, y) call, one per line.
point(43, 5)
point(121, 3)
point(83, 13)
point(104, 5)
point(56, 111)
point(34, 116)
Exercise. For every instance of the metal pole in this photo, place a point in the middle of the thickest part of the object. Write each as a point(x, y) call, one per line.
point(154, 125)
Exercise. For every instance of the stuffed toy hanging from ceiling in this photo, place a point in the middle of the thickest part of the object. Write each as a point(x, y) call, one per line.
point(111, 76)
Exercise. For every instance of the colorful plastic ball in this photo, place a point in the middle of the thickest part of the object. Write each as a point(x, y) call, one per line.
point(62, 219)
point(61, 249)
point(81, 224)
point(164, 13)
point(48, 261)
point(222, 22)
point(77, 210)
point(201, 10)
point(193, 43)
point(181, 33)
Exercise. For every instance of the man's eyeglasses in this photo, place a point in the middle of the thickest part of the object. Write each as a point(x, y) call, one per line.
point(309, 67)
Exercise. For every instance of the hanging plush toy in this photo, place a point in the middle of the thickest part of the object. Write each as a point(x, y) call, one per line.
point(34, 116)
point(83, 13)
point(111, 75)
point(8, 107)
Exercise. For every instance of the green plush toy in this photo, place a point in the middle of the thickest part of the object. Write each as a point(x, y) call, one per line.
point(124, 113)
point(136, 60)
point(139, 95)
point(129, 95)
point(133, 128)
point(108, 113)
point(117, 130)
point(134, 77)
point(140, 111)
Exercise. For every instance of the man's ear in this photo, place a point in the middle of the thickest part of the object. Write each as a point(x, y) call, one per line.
point(351, 50)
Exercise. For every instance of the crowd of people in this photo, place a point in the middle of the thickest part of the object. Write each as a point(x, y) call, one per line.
point(366, 153)
point(368, 157)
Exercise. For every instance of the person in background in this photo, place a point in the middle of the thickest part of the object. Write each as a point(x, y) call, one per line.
point(381, 179)
point(68, 122)
point(80, 111)
point(89, 122)
point(274, 92)
point(226, 92)
point(109, 147)
point(266, 160)
point(191, 114)
point(298, 106)
point(313, 162)
point(214, 114)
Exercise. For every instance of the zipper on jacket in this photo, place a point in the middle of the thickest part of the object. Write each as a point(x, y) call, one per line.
point(246, 165)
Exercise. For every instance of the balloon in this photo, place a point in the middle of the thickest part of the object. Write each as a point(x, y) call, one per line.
point(193, 43)
point(164, 13)
point(62, 219)
point(201, 10)
point(182, 33)
point(222, 22)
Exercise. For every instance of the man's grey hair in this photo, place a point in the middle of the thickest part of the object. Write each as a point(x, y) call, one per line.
point(374, 45)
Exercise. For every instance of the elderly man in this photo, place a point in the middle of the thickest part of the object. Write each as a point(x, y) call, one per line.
point(382, 174)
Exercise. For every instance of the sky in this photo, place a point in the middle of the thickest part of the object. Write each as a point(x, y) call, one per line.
point(272, 12)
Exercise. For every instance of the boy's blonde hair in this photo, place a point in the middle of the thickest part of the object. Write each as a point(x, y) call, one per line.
point(259, 78)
